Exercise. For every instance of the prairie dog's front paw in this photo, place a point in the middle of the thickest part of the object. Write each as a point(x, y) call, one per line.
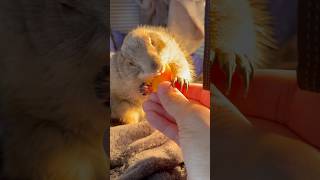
point(229, 62)
point(181, 83)
point(181, 76)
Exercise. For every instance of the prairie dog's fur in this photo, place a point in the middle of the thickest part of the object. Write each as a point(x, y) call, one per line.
point(243, 27)
point(242, 37)
point(51, 53)
point(144, 53)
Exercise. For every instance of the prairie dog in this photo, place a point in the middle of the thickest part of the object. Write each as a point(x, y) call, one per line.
point(144, 53)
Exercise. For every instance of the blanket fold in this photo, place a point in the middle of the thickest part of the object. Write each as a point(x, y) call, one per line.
point(137, 151)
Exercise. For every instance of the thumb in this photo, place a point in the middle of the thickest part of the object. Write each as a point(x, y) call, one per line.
point(172, 100)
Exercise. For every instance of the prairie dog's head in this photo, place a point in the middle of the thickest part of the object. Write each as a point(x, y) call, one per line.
point(141, 54)
point(145, 53)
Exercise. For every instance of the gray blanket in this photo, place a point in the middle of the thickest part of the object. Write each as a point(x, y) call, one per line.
point(137, 151)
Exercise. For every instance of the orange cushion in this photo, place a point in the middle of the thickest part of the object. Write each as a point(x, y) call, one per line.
point(275, 127)
point(275, 96)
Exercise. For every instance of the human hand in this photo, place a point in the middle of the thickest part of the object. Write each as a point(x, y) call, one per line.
point(186, 120)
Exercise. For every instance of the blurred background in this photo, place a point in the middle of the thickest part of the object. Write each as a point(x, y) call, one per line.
point(127, 14)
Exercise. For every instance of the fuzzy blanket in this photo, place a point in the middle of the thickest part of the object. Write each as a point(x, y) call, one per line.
point(137, 151)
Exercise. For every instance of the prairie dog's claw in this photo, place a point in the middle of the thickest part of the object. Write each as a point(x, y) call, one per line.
point(229, 62)
point(174, 81)
point(187, 85)
point(182, 82)
point(246, 70)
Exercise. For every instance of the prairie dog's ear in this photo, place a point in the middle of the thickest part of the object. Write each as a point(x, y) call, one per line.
point(156, 42)
point(131, 44)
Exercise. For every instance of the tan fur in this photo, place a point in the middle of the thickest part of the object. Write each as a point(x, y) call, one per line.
point(149, 49)
point(51, 52)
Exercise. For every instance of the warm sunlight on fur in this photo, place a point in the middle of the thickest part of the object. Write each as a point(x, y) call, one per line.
point(146, 52)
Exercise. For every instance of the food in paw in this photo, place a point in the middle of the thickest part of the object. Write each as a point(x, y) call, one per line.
point(156, 80)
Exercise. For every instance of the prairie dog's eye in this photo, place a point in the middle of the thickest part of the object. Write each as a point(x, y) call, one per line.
point(131, 64)
point(133, 68)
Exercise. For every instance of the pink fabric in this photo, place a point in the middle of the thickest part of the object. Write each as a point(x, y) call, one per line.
point(275, 96)
point(186, 22)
